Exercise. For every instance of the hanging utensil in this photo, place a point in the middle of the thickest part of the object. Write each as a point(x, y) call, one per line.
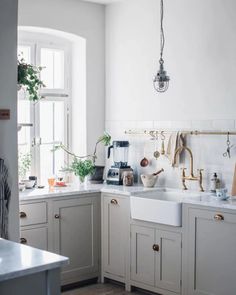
point(144, 162)
point(228, 149)
point(156, 153)
point(163, 143)
point(158, 172)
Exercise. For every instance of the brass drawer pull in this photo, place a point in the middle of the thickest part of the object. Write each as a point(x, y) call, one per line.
point(219, 217)
point(23, 215)
point(114, 201)
point(23, 241)
point(155, 247)
point(57, 216)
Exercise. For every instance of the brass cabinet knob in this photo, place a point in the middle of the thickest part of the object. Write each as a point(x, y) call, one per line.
point(219, 217)
point(23, 241)
point(57, 216)
point(155, 247)
point(114, 201)
point(23, 215)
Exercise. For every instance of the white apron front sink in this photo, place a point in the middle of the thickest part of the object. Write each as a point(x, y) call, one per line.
point(163, 207)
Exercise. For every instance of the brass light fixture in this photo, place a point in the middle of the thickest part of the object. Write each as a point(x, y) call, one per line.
point(161, 80)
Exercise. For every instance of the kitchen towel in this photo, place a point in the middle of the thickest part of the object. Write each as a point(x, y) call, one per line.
point(5, 195)
point(233, 192)
point(175, 141)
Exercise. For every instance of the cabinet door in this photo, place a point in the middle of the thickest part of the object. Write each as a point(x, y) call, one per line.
point(76, 236)
point(168, 260)
point(115, 234)
point(211, 253)
point(35, 237)
point(142, 255)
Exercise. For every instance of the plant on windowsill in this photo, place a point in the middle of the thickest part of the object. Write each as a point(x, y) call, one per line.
point(28, 79)
point(83, 166)
point(24, 164)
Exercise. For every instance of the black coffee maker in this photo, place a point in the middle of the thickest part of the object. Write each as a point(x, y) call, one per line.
point(120, 158)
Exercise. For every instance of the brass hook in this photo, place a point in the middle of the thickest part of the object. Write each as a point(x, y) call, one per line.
point(162, 135)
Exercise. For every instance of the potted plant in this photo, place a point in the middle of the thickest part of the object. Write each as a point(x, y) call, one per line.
point(83, 166)
point(24, 164)
point(28, 78)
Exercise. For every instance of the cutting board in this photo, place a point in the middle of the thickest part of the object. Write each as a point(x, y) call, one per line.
point(234, 183)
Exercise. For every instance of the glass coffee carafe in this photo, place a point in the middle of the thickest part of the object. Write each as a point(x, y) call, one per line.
point(120, 153)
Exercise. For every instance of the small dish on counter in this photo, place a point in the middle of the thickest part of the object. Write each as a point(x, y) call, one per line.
point(21, 186)
point(28, 183)
point(149, 180)
point(60, 184)
point(221, 194)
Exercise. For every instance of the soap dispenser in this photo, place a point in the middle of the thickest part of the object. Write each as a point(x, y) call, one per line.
point(215, 183)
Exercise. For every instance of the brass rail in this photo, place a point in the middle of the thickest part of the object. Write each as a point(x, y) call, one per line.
point(156, 132)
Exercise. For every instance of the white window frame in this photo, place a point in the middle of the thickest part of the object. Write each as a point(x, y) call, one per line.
point(49, 95)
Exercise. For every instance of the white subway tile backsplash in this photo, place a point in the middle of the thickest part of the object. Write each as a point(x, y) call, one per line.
point(202, 125)
point(181, 125)
point(162, 124)
point(223, 124)
point(144, 124)
point(207, 150)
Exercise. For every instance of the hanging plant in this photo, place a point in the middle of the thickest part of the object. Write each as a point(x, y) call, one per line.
point(83, 166)
point(28, 78)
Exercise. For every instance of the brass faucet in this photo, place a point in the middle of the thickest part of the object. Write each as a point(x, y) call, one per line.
point(191, 176)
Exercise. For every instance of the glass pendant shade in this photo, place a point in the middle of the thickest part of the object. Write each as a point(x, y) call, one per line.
point(161, 80)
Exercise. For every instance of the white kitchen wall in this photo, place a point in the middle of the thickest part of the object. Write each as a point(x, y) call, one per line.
point(86, 20)
point(8, 100)
point(207, 150)
point(200, 58)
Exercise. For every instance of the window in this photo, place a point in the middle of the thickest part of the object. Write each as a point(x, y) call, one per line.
point(50, 115)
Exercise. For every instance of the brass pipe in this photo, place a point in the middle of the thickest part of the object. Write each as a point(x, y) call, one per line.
point(195, 132)
point(191, 160)
point(191, 176)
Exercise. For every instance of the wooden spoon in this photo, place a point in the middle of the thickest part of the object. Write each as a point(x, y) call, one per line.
point(158, 172)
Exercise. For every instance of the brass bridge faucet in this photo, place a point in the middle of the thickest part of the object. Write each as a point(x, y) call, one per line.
point(191, 176)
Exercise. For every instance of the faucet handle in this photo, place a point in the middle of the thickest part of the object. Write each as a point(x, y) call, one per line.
point(183, 171)
point(200, 179)
point(200, 171)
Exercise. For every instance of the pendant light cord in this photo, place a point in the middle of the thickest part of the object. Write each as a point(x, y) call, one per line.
point(162, 41)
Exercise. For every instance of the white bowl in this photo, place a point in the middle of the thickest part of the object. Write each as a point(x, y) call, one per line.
point(149, 180)
point(21, 186)
point(28, 183)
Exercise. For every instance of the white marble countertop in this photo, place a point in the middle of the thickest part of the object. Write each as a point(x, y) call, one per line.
point(18, 260)
point(211, 201)
point(202, 199)
point(72, 189)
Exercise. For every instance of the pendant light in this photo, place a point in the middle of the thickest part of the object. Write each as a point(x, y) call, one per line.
point(161, 80)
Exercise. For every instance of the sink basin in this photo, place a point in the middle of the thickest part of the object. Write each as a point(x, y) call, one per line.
point(163, 207)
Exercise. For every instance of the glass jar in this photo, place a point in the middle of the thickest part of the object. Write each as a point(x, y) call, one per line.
point(128, 178)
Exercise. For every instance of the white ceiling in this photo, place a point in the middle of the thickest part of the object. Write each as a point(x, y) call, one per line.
point(102, 1)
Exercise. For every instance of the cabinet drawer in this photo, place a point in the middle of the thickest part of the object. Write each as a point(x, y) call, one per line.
point(36, 237)
point(34, 213)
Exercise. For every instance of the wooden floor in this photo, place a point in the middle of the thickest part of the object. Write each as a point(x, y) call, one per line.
point(102, 289)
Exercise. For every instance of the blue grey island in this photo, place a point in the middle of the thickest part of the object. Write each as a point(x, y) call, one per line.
point(26, 270)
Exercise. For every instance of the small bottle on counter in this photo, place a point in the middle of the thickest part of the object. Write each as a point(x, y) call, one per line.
point(215, 183)
point(128, 178)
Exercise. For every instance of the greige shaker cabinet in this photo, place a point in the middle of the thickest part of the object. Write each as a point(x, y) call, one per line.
point(115, 236)
point(66, 225)
point(34, 224)
point(76, 235)
point(155, 258)
point(209, 251)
